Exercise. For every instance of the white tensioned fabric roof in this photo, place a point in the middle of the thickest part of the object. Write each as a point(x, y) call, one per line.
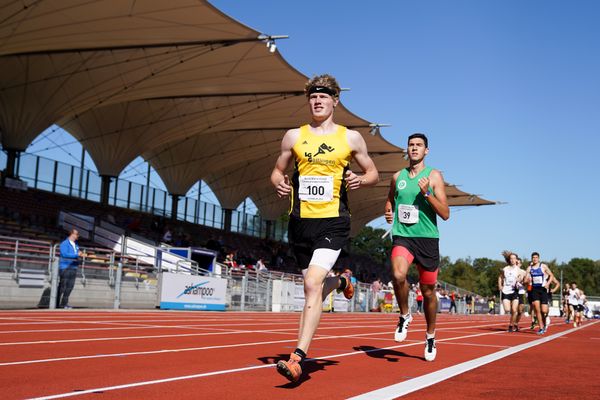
point(194, 92)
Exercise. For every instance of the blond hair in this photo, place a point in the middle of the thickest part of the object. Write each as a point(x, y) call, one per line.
point(324, 80)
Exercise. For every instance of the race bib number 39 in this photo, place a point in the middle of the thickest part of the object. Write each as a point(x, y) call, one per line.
point(316, 188)
point(408, 214)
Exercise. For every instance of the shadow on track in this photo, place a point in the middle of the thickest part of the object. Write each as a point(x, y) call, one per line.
point(310, 366)
point(387, 354)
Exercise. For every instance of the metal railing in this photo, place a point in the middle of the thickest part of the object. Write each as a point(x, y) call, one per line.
point(17, 253)
point(58, 177)
point(109, 279)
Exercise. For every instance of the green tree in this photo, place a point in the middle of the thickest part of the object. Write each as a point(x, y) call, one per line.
point(585, 272)
point(368, 242)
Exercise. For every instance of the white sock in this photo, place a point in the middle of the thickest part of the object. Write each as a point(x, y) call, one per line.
point(406, 316)
point(430, 335)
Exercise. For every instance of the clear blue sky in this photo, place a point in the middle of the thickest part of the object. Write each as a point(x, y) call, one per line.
point(508, 93)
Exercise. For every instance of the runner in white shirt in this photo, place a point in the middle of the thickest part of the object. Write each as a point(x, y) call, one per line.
point(522, 298)
point(510, 276)
point(574, 296)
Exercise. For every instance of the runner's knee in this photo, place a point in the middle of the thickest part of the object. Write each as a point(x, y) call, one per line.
point(312, 286)
point(399, 276)
point(428, 291)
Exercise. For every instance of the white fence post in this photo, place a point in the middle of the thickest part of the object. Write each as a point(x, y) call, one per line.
point(268, 296)
point(117, 303)
point(243, 294)
point(54, 283)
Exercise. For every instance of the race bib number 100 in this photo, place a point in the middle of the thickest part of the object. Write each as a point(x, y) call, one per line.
point(408, 214)
point(316, 188)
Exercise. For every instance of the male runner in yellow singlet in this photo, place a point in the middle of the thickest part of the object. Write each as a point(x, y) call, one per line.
point(319, 215)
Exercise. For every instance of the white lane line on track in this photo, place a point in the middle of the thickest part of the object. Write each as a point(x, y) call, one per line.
point(290, 318)
point(140, 326)
point(234, 370)
point(412, 385)
point(478, 345)
point(221, 332)
point(149, 352)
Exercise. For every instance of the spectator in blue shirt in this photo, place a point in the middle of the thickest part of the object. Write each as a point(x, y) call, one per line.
point(69, 261)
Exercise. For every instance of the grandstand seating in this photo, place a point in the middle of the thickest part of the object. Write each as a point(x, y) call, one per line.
point(34, 214)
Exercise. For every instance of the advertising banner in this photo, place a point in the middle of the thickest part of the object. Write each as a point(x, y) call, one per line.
point(191, 292)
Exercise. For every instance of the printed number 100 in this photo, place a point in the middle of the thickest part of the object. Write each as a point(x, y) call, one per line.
point(316, 190)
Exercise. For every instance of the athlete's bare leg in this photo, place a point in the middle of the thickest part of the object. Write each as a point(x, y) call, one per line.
point(545, 310)
point(331, 283)
point(399, 270)
point(430, 304)
point(514, 312)
point(520, 310)
point(313, 305)
point(538, 313)
point(507, 305)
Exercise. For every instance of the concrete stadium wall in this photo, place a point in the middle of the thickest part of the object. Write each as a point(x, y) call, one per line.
point(96, 293)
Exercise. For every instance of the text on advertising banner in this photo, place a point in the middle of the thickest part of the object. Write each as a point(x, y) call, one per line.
point(192, 292)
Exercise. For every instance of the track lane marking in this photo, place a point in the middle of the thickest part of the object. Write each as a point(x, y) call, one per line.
point(163, 351)
point(423, 381)
point(234, 370)
point(224, 332)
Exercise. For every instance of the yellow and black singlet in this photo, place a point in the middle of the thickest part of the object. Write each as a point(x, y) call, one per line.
point(319, 185)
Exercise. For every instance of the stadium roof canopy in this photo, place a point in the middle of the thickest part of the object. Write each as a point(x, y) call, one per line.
point(194, 92)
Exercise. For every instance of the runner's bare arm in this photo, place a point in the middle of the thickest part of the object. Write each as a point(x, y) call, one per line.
point(556, 285)
point(370, 175)
point(390, 203)
point(552, 279)
point(278, 177)
point(528, 276)
point(438, 201)
point(500, 280)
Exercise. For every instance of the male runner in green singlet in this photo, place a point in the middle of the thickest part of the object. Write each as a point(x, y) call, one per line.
point(417, 196)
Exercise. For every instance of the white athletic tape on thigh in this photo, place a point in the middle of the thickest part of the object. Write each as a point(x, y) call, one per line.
point(325, 258)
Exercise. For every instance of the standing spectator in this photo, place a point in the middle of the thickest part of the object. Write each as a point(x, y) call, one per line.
point(69, 261)
point(419, 300)
point(452, 302)
point(492, 305)
point(375, 289)
point(468, 301)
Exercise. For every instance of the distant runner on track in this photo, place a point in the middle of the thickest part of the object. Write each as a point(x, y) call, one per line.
point(539, 277)
point(576, 303)
point(508, 281)
point(522, 297)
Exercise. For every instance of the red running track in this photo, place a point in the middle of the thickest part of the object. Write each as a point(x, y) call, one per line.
point(163, 355)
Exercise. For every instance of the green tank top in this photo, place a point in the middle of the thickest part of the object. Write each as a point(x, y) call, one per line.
point(413, 216)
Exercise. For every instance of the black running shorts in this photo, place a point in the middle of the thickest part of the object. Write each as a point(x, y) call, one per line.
point(305, 235)
point(538, 294)
point(510, 297)
point(426, 251)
